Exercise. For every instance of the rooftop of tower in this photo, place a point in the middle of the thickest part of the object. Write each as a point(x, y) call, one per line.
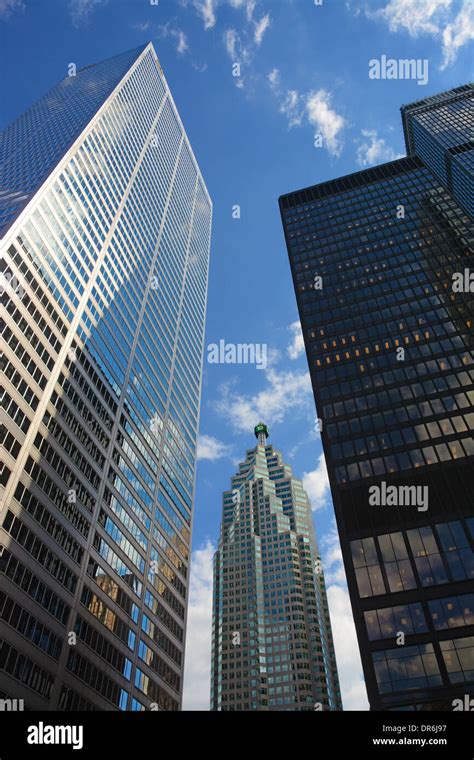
point(32, 144)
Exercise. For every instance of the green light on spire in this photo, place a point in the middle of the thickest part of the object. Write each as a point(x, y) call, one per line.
point(261, 431)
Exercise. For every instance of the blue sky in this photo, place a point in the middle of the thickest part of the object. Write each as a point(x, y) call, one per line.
point(302, 111)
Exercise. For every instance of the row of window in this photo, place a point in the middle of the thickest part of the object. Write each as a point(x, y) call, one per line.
point(448, 612)
point(25, 579)
point(417, 667)
point(29, 627)
point(438, 558)
point(40, 552)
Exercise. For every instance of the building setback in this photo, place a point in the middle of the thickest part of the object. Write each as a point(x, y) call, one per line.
point(440, 130)
point(106, 221)
point(389, 346)
point(272, 646)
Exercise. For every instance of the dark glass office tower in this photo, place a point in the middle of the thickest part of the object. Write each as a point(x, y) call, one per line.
point(389, 346)
point(272, 645)
point(106, 224)
point(440, 130)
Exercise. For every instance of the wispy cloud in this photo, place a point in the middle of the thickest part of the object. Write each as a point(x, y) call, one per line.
point(458, 33)
point(211, 448)
point(80, 11)
point(141, 26)
point(231, 40)
point(284, 393)
point(260, 28)
point(273, 78)
point(313, 108)
point(170, 29)
point(452, 23)
point(412, 15)
point(296, 347)
point(316, 485)
point(349, 666)
point(8, 7)
point(206, 9)
point(374, 150)
point(243, 39)
point(197, 670)
point(325, 119)
point(290, 107)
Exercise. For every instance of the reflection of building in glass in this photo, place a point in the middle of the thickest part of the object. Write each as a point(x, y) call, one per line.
point(106, 223)
point(388, 345)
point(272, 645)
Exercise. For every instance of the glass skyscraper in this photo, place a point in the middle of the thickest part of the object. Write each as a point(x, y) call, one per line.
point(388, 339)
point(272, 646)
point(106, 226)
point(440, 130)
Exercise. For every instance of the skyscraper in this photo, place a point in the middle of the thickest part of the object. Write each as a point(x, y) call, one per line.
point(440, 129)
point(106, 230)
point(374, 256)
point(272, 645)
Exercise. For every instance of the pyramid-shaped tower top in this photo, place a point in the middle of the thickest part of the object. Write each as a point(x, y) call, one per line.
point(33, 144)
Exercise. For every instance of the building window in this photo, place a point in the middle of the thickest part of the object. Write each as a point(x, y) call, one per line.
point(367, 568)
point(406, 668)
point(396, 563)
point(389, 621)
point(458, 655)
point(452, 612)
point(428, 561)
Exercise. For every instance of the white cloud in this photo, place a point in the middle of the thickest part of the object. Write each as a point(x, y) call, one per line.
point(285, 392)
point(197, 666)
point(296, 347)
point(260, 28)
point(141, 27)
point(274, 78)
point(249, 8)
point(332, 557)
point(182, 42)
point(290, 107)
point(374, 149)
point(349, 666)
point(325, 119)
point(315, 107)
point(8, 7)
point(316, 485)
point(206, 9)
point(445, 20)
point(174, 32)
point(231, 38)
point(211, 448)
point(416, 16)
point(81, 10)
point(457, 33)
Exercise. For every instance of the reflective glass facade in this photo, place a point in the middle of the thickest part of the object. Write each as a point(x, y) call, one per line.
point(440, 130)
point(389, 347)
point(105, 265)
point(272, 646)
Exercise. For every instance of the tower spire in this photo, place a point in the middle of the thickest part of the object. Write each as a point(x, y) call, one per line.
point(261, 433)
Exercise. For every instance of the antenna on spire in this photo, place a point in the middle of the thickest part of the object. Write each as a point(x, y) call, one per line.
point(261, 433)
